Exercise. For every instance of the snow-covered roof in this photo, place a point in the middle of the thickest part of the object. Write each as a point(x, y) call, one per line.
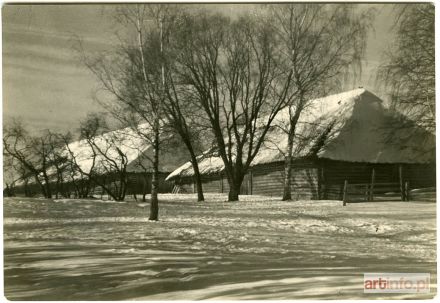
point(133, 145)
point(207, 165)
point(352, 126)
point(127, 140)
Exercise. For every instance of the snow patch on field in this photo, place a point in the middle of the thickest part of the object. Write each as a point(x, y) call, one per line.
point(86, 201)
point(258, 248)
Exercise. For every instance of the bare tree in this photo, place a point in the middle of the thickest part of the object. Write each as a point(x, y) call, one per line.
point(177, 107)
point(234, 70)
point(81, 180)
point(57, 160)
point(133, 74)
point(408, 70)
point(23, 177)
point(30, 151)
point(11, 175)
point(99, 155)
point(140, 161)
point(182, 113)
point(320, 44)
point(41, 155)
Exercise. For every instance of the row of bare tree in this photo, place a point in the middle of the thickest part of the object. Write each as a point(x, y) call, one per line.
point(61, 164)
point(201, 72)
point(215, 81)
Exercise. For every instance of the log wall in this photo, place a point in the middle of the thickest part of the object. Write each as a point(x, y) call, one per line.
point(140, 182)
point(333, 174)
point(213, 184)
point(420, 175)
point(319, 179)
point(267, 180)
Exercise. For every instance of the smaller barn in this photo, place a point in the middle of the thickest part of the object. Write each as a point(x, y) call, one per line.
point(139, 155)
point(351, 137)
point(107, 163)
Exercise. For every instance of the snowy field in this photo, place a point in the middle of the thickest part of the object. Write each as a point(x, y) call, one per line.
point(258, 248)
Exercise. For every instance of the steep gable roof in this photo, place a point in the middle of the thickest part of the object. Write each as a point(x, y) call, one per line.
point(352, 126)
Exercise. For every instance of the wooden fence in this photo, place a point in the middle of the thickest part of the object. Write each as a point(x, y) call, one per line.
point(427, 194)
point(375, 192)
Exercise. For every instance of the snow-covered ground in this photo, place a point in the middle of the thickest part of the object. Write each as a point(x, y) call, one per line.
point(258, 248)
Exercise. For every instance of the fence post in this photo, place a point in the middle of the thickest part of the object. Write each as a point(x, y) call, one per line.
point(251, 182)
point(367, 192)
point(407, 190)
point(373, 180)
point(344, 195)
point(402, 188)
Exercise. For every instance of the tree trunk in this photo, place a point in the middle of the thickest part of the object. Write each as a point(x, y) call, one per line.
point(154, 206)
point(124, 191)
point(49, 192)
point(9, 190)
point(57, 188)
point(287, 193)
point(144, 186)
point(197, 177)
point(42, 186)
point(200, 196)
point(234, 191)
point(235, 186)
point(88, 186)
point(26, 188)
point(47, 185)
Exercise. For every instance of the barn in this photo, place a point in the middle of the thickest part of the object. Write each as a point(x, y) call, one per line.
point(138, 155)
point(140, 169)
point(344, 140)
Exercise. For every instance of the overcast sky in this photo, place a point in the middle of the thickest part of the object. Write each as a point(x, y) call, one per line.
point(45, 85)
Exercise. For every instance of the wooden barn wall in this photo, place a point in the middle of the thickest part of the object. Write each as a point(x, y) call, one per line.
point(419, 175)
point(211, 184)
point(321, 179)
point(334, 173)
point(187, 188)
point(186, 185)
point(266, 180)
point(139, 182)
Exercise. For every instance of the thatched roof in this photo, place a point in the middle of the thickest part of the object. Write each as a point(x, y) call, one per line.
point(138, 151)
point(171, 156)
point(353, 126)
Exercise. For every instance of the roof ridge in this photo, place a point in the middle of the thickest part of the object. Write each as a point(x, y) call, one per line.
point(354, 92)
